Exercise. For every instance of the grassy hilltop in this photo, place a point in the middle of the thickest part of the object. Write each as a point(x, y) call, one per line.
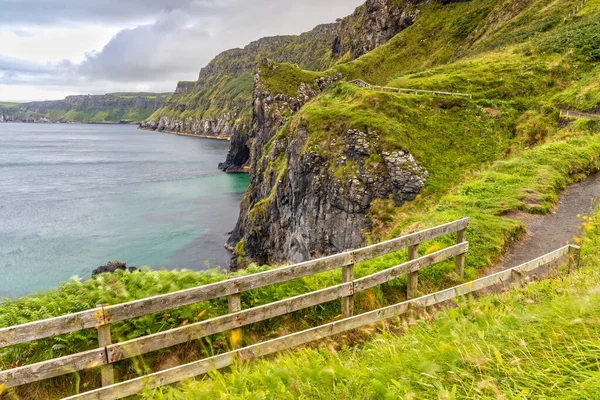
point(520, 60)
point(506, 149)
point(108, 108)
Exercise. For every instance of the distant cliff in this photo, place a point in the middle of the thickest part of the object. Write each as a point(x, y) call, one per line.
point(219, 103)
point(108, 108)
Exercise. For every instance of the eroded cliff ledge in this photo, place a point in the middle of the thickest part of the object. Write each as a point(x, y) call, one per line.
point(308, 197)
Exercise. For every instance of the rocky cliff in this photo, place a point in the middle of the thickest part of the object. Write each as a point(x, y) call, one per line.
point(109, 108)
point(328, 160)
point(298, 194)
point(219, 104)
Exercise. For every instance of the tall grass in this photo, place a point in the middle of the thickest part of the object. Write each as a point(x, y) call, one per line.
point(541, 341)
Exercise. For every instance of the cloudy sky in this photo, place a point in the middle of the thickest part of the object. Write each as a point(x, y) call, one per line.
point(52, 48)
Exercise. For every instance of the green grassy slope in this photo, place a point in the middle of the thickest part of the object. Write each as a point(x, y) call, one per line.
point(543, 172)
point(109, 108)
point(506, 149)
point(519, 75)
point(542, 341)
point(225, 85)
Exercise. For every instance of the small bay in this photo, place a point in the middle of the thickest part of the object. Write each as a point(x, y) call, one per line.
point(73, 197)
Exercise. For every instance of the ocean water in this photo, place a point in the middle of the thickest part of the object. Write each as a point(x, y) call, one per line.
point(73, 197)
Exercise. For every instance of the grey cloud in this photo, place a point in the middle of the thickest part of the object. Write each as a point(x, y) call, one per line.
point(148, 52)
point(52, 12)
point(172, 42)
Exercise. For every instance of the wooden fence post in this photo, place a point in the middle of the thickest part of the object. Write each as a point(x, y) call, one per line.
point(517, 277)
point(235, 305)
point(348, 301)
point(413, 277)
point(574, 257)
point(460, 259)
point(104, 340)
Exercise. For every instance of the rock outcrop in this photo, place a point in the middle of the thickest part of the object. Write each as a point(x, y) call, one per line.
point(373, 25)
point(113, 266)
point(219, 103)
point(221, 128)
point(303, 202)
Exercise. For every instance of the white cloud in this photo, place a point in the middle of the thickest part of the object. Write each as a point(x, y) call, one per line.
point(52, 47)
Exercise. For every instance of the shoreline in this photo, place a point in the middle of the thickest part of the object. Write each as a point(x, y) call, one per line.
point(70, 122)
point(186, 134)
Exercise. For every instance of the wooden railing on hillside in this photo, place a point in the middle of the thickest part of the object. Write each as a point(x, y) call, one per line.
point(388, 89)
point(576, 10)
point(101, 318)
point(577, 114)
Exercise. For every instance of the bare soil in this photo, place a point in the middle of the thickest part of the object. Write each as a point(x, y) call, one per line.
point(546, 233)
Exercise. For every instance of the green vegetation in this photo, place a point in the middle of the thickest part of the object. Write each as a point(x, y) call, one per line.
point(519, 72)
point(543, 172)
point(109, 108)
point(537, 342)
point(506, 149)
point(224, 87)
point(7, 104)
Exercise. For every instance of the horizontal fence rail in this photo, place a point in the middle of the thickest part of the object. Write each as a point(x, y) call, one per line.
point(103, 316)
point(176, 374)
point(390, 89)
point(120, 312)
point(577, 114)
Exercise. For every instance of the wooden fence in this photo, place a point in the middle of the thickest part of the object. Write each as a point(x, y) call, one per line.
point(576, 10)
point(388, 89)
point(515, 276)
point(577, 114)
point(101, 317)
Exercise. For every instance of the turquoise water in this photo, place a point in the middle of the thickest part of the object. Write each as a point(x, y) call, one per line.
point(73, 197)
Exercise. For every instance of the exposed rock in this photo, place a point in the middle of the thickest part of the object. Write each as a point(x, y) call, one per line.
point(310, 210)
point(223, 127)
point(298, 206)
point(373, 25)
point(113, 266)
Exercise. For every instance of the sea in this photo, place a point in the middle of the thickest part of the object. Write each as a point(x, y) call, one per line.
point(73, 197)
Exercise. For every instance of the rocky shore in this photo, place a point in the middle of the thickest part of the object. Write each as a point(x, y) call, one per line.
point(113, 266)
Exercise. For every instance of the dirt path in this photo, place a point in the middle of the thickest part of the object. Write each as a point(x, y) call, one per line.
point(546, 233)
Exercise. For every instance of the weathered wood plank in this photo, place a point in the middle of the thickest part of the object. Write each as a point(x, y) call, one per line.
point(166, 302)
point(348, 301)
point(413, 277)
point(460, 259)
point(53, 368)
point(49, 327)
point(166, 377)
point(89, 319)
point(234, 305)
point(184, 334)
point(400, 243)
point(105, 339)
point(179, 373)
point(410, 266)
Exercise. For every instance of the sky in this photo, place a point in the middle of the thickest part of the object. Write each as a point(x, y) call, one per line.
point(53, 48)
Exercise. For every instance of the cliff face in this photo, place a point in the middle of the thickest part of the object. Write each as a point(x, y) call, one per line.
point(370, 26)
point(219, 103)
point(373, 25)
point(109, 108)
point(298, 194)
